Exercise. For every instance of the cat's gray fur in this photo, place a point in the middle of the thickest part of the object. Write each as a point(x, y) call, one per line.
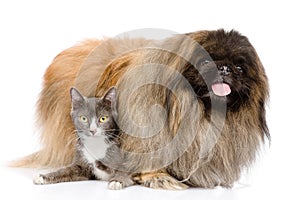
point(97, 152)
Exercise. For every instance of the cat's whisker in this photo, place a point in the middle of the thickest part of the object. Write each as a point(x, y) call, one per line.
point(107, 130)
point(76, 138)
point(71, 141)
point(117, 137)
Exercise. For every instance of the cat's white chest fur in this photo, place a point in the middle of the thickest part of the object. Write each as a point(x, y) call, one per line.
point(95, 148)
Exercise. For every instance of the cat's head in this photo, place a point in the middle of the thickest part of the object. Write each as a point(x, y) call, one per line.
point(93, 116)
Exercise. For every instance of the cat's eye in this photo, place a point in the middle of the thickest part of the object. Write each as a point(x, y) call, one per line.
point(103, 119)
point(83, 118)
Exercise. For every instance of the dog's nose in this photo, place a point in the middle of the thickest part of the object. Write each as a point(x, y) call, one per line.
point(225, 70)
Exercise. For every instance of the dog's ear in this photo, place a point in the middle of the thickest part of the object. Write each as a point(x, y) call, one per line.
point(262, 121)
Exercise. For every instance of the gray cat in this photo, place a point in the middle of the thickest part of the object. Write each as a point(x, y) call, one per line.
point(97, 152)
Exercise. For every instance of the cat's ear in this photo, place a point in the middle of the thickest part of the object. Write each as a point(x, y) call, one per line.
point(111, 95)
point(76, 98)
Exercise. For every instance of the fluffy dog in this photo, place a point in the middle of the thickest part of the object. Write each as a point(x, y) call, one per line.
point(192, 107)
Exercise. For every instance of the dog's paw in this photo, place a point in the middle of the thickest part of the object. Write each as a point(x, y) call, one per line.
point(160, 181)
point(40, 180)
point(115, 185)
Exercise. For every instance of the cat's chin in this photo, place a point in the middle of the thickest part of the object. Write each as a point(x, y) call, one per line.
point(90, 136)
point(95, 136)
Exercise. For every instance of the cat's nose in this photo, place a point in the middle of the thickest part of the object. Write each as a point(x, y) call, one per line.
point(93, 132)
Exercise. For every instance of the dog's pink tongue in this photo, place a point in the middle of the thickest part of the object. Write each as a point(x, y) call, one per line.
point(221, 89)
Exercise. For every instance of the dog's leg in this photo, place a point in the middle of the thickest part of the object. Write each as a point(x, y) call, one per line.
point(159, 180)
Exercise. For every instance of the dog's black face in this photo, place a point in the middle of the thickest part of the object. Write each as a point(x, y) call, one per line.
point(228, 72)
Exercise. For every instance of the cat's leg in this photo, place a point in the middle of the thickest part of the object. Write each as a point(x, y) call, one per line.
point(120, 180)
point(159, 180)
point(71, 173)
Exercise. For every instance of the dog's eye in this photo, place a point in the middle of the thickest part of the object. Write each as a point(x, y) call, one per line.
point(239, 68)
point(204, 62)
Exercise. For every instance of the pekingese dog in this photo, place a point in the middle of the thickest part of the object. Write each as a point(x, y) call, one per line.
point(191, 107)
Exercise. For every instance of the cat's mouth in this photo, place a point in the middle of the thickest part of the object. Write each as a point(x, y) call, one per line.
point(90, 135)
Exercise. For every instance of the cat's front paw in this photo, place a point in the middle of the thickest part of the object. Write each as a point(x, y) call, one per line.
point(115, 185)
point(40, 180)
point(120, 181)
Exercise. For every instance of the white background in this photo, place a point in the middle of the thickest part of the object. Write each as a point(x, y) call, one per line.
point(32, 33)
